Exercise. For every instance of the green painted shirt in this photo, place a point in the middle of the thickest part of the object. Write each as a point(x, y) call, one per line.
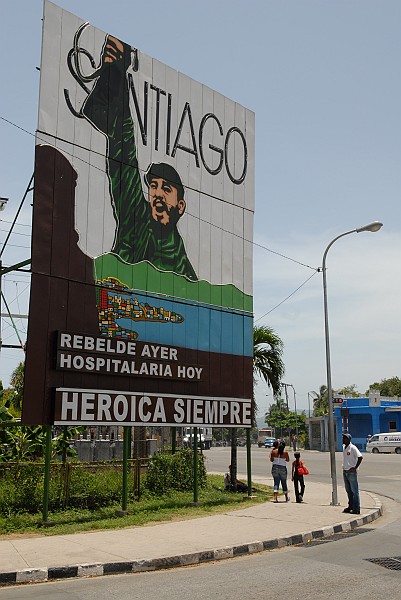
point(138, 236)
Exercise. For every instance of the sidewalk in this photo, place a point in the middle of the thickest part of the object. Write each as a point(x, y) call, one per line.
point(233, 533)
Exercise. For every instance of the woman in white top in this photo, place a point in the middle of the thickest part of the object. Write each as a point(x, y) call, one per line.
point(279, 457)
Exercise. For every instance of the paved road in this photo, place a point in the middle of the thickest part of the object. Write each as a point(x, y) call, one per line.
point(379, 473)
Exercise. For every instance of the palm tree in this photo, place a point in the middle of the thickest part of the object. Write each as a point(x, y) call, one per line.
point(267, 364)
point(267, 357)
point(320, 402)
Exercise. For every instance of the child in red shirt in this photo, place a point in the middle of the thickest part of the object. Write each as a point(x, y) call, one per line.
point(299, 483)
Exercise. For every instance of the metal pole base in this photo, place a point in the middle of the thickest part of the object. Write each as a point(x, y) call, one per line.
point(47, 523)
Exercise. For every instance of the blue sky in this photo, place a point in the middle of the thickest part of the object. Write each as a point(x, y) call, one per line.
point(323, 80)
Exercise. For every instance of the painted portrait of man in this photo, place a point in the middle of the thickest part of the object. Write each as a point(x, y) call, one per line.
point(146, 226)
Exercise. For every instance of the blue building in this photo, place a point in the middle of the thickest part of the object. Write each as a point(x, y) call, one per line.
point(366, 416)
point(361, 416)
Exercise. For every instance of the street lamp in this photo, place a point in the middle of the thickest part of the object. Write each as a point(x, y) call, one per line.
point(296, 416)
point(309, 395)
point(285, 386)
point(373, 227)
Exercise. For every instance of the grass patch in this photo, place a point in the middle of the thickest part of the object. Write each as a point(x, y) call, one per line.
point(213, 499)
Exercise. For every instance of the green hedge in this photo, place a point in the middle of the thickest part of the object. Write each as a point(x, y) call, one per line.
point(168, 472)
point(93, 486)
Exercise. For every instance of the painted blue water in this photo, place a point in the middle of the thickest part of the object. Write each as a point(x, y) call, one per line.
point(204, 327)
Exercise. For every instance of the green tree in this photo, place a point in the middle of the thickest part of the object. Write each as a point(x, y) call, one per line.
point(321, 398)
point(284, 420)
point(276, 416)
point(27, 442)
point(387, 387)
point(349, 390)
point(5, 416)
point(320, 402)
point(23, 443)
point(268, 365)
point(268, 357)
point(17, 383)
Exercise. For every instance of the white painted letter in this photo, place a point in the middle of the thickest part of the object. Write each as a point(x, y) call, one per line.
point(120, 399)
point(179, 410)
point(87, 406)
point(160, 413)
point(71, 405)
point(144, 400)
point(103, 407)
point(65, 340)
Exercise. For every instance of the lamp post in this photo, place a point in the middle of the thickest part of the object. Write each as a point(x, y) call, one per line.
point(373, 227)
point(309, 395)
point(296, 416)
point(285, 386)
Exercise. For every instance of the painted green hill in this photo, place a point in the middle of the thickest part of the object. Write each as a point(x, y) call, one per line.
point(143, 276)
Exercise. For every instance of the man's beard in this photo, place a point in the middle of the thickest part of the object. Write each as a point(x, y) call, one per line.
point(159, 214)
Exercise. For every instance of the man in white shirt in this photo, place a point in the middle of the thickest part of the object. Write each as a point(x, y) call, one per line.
point(352, 458)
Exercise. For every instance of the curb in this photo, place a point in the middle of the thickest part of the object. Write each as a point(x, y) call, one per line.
point(182, 560)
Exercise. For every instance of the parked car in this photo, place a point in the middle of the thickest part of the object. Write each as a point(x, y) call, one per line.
point(269, 442)
point(384, 442)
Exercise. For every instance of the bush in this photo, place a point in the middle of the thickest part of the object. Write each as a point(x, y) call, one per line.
point(168, 472)
point(21, 489)
point(95, 488)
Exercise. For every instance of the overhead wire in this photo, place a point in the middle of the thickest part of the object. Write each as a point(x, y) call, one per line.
point(287, 298)
point(16, 233)
point(17, 246)
point(16, 224)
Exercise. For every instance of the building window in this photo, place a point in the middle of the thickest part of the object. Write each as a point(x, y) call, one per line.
point(392, 426)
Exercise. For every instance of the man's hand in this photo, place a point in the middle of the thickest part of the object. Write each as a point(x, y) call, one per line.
point(113, 50)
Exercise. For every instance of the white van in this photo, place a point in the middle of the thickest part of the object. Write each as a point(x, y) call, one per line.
point(385, 442)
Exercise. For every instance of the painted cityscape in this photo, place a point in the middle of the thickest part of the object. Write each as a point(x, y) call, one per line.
point(116, 302)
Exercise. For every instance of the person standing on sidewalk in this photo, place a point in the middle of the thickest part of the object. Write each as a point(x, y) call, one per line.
point(279, 457)
point(275, 446)
point(299, 483)
point(352, 458)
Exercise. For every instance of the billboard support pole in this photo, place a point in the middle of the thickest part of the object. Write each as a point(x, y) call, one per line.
point(173, 440)
point(196, 495)
point(248, 460)
point(126, 455)
point(46, 485)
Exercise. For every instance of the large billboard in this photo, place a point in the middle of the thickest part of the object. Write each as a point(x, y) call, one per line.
point(141, 297)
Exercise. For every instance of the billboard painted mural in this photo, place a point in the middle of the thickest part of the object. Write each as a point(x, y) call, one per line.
point(141, 297)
